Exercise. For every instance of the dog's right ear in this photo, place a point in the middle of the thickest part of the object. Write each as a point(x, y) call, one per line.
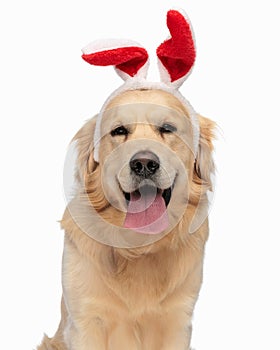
point(85, 163)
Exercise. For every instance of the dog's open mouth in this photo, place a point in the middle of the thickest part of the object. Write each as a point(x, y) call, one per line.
point(147, 209)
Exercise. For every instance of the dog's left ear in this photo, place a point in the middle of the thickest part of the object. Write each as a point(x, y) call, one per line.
point(204, 165)
point(203, 171)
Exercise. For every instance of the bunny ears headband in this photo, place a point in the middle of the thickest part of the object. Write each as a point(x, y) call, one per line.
point(176, 57)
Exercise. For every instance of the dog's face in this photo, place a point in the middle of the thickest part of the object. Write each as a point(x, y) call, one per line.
point(147, 173)
point(146, 158)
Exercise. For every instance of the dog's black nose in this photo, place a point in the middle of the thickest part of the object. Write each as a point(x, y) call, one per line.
point(144, 163)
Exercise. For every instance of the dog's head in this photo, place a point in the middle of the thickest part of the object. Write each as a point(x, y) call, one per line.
point(144, 164)
point(148, 176)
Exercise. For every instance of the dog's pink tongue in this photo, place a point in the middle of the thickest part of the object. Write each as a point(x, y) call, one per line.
point(146, 213)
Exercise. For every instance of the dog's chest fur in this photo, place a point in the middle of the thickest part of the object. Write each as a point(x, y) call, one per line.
point(134, 285)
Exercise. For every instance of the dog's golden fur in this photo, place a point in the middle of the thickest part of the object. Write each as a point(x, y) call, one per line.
point(132, 298)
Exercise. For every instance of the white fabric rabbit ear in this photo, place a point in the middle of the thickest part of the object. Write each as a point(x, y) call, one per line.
point(176, 55)
point(128, 57)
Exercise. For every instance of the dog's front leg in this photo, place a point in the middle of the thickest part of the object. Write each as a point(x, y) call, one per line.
point(166, 332)
point(177, 340)
point(176, 336)
point(123, 336)
point(92, 336)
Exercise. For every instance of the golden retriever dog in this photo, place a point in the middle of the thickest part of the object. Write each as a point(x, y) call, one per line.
point(130, 283)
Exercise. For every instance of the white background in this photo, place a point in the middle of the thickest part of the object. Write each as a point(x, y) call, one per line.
point(47, 92)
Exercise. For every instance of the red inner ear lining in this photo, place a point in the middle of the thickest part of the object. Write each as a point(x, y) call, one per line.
point(127, 59)
point(176, 67)
point(132, 67)
point(177, 54)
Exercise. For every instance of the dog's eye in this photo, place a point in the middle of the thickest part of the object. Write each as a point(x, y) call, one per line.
point(167, 128)
point(120, 130)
